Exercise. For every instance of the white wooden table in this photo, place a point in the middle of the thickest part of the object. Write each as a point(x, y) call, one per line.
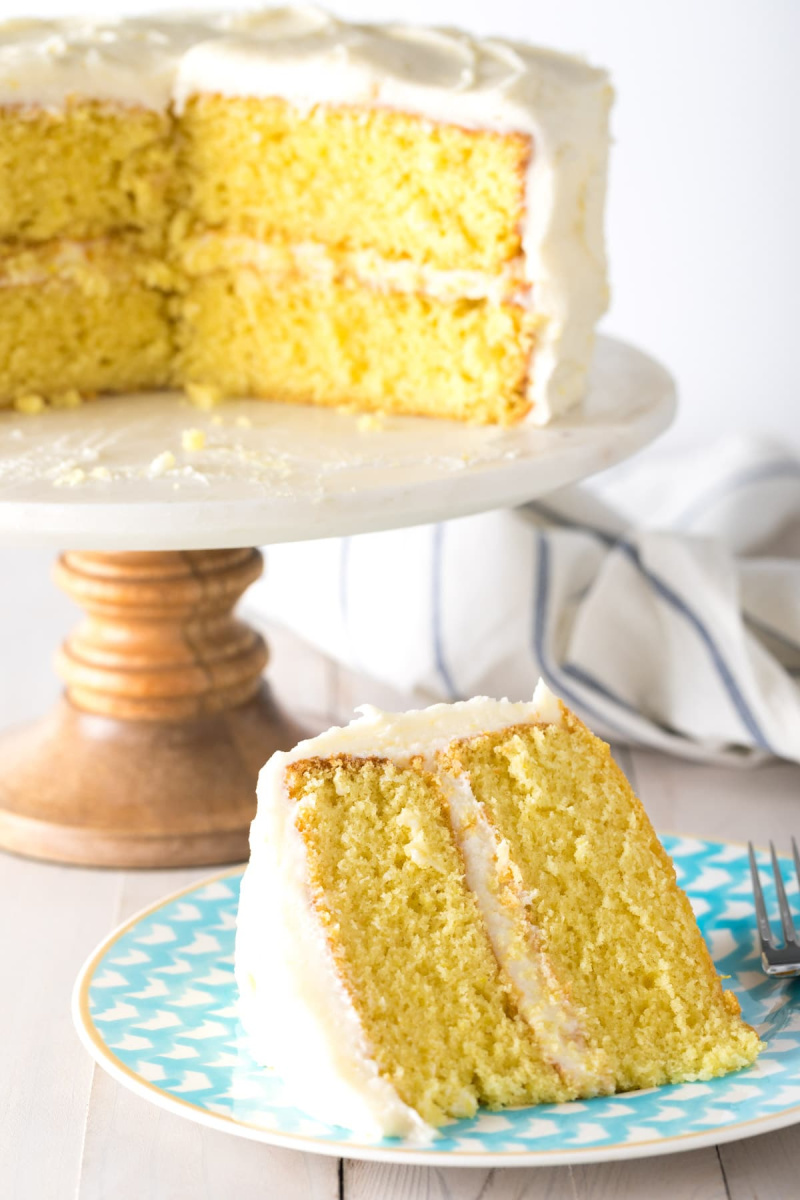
point(68, 1131)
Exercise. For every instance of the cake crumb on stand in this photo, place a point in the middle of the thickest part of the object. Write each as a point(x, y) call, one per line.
point(193, 440)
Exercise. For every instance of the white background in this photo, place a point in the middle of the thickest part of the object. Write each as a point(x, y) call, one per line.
point(704, 205)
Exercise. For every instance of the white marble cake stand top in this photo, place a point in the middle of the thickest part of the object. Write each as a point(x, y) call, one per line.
point(114, 475)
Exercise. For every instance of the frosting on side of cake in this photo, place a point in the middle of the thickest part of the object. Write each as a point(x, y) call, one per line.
point(292, 1002)
point(294, 1006)
point(308, 58)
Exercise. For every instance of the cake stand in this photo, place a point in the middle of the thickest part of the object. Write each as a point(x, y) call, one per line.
point(151, 756)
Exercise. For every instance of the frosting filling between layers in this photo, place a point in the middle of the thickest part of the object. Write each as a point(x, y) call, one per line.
point(208, 252)
point(25, 265)
point(85, 263)
point(293, 1004)
point(497, 886)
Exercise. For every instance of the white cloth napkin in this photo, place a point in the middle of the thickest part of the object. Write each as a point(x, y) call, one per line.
point(662, 603)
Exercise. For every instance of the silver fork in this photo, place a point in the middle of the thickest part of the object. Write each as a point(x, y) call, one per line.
point(776, 960)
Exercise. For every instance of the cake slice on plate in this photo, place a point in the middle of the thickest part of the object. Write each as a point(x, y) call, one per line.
point(467, 905)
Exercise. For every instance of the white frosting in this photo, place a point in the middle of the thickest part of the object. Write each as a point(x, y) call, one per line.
point(309, 58)
point(421, 731)
point(132, 62)
point(298, 1014)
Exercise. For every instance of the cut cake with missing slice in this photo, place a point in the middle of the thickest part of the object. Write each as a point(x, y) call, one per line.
point(467, 905)
point(284, 205)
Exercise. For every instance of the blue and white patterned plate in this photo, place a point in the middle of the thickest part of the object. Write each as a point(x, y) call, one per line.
point(156, 1007)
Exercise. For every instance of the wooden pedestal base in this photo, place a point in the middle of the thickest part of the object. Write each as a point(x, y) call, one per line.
point(151, 757)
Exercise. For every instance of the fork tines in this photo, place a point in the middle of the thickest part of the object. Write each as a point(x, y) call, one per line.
point(777, 960)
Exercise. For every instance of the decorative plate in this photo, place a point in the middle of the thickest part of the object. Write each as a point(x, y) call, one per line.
point(156, 1007)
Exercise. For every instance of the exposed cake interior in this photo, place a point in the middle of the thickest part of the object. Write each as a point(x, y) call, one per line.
point(88, 317)
point(468, 905)
point(311, 326)
point(83, 170)
point(341, 343)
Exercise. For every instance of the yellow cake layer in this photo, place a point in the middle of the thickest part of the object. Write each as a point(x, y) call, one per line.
point(603, 893)
point(98, 329)
point(353, 178)
point(349, 178)
point(83, 171)
point(345, 343)
point(409, 943)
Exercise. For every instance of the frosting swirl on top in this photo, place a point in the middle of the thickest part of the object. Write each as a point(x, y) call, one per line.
point(44, 62)
point(153, 60)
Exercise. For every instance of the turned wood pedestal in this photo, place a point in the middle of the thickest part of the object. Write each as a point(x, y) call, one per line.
point(151, 757)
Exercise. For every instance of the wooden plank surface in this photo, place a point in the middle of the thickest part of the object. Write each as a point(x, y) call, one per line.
point(52, 917)
point(69, 1131)
point(693, 1176)
point(763, 1168)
